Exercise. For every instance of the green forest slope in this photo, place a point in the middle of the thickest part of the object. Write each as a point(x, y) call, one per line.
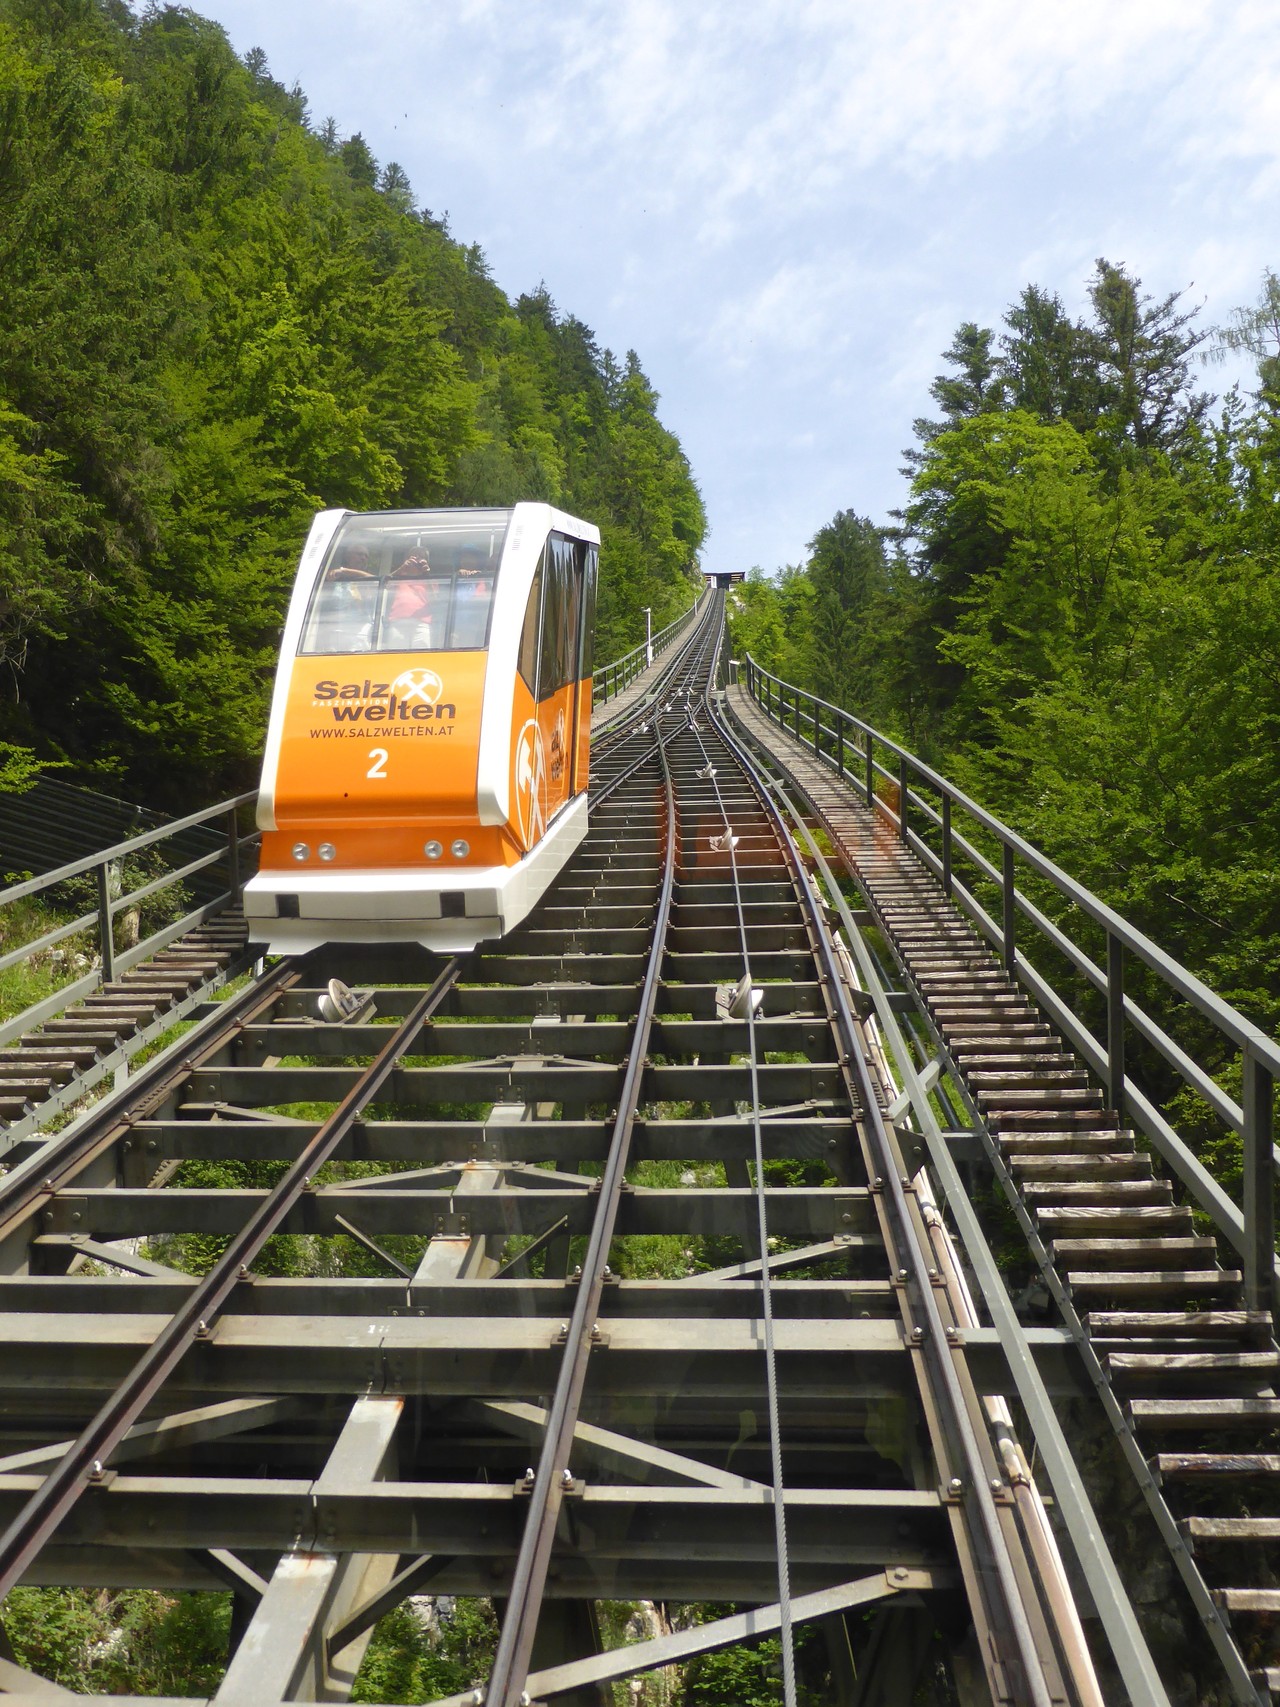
point(217, 319)
point(1079, 617)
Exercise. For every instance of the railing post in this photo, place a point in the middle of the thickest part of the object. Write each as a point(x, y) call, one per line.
point(799, 737)
point(1259, 1185)
point(902, 796)
point(946, 845)
point(1115, 1024)
point(840, 742)
point(817, 729)
point(233, 854)
point(1006, 887)
point(106, 936)
point(871, 770)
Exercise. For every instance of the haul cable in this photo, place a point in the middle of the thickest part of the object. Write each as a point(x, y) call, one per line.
point(997, 1580)
point(766, 1282)
point(83, 1464)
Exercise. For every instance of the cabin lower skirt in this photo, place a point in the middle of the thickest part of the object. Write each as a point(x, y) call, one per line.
point(409, 906)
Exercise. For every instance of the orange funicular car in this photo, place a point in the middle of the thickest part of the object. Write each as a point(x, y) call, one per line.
point(425, 774)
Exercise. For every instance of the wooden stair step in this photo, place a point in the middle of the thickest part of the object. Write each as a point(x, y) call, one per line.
point(1096, 1163)
point(1231, 1528)
point(1237, 1600)
point(982, 1007)
point(946, 973)
point(74, 1025)
point(1101, 1218)
point(37, 1067)
point(1074, 1143)
point(1116, 1192)
point(34, 1089)
point(1051, 1120)
point(1142, 1365)
point(13, 1108)
point(1212, 1414)
point(1257, 1365)
point(1021, 1028)
point(76, 1050)
point(1267, 1678)
point(1057, 1099)
point(106, 1024)
point(136, 1003)
point(1030, 1061)
point(1138, 1282)
point(1193, 1465)
point(1214, 1324)
point(956, 960)
point(1025, 1078)
point(1134, 1253)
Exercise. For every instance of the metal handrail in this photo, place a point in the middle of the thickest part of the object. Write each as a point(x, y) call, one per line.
point(837, 735)
point(105, 864)
point(610, 679)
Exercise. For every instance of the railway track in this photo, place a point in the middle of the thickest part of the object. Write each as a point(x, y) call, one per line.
point(1187, 1374)
point(587, 1267)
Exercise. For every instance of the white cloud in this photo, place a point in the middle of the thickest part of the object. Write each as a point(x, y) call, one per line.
point(787, 206)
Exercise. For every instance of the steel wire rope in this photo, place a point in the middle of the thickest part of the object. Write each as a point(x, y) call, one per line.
point(510, 1669)
point(996, 1574)
point(785, 1629)
point(84, 1461)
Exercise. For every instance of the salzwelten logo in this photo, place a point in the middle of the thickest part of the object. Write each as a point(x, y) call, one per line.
point(418, 687)
point(414, 696)
point(531, 783)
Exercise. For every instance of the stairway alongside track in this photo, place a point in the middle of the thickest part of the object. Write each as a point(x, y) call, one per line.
point(1196, 1373)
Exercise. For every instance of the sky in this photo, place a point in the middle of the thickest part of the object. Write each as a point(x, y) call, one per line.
point(787, 207)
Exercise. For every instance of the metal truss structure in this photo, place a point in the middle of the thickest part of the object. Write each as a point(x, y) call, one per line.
point(625, 1260)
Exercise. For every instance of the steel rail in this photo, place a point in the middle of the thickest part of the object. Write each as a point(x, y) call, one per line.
point(671, 667)
point(85, 1461)
point(1128, 1645)
point(996, 1579)
point(553, 1478)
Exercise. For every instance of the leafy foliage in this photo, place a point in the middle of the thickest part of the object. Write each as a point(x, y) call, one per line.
point(1081, 614)
point(128, 1642)
point(217, 322)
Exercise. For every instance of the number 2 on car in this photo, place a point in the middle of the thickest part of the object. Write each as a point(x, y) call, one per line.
point(379, 765)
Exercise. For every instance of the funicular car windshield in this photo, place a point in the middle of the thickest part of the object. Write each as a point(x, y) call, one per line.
point(408, 581)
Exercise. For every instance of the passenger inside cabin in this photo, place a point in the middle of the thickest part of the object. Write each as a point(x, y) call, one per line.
point(343, 620)
point(410, 603)
point(475, 589)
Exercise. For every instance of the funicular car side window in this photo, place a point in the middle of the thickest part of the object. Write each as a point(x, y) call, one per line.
point(591, 565)
point(527, 663)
